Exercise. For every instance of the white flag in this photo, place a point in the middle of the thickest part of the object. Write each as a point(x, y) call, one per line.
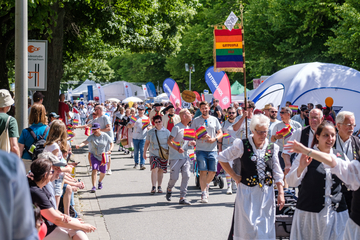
point(101, 93)
point(146, 94)
point(127, 89)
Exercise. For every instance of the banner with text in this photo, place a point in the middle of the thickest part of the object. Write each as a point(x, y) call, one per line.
point(127, 89)
point(219, 85)
point(172, 91)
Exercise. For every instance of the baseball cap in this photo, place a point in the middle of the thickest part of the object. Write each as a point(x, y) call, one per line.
point(37, 96)
point(95, 126)
point(52, 114)
point(304, 108)
point(141, 107)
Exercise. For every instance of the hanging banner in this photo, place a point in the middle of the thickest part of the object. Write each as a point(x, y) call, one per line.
point(172, 91)
point(228, 50)
point(101, 93)
point(151, 89)
point(127, 89)
point(146, 94)
point(90, 95)
point(69, 95)
point(219, 85)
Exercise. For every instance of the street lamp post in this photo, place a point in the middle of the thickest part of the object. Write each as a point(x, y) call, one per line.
point(190, 69)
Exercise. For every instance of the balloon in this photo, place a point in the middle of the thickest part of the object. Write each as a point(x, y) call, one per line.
point(130, 104)
point(329, 101)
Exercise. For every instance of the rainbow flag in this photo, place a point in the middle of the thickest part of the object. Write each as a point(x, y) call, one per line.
point(87, 131)
point(200, 132)
point(133, 119)
point(145, 123)
point(192, 156)
point(70, 133)
point(226, 135)
point(104, 158)
point(175, 144)
point(189, 134)
point(228, 49)
point(75, 122)
point(294, 108)
point(286, 131)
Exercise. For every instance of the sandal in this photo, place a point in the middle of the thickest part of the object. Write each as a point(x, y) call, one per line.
point(160, 190)
point(153, 190)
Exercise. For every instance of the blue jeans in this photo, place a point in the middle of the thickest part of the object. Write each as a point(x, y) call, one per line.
point(139, 147)
point(207, 161)
point(83, 121)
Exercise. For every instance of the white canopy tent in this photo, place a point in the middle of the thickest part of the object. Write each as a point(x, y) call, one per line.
point(116, 90)
point(311, 83)
point(82, 89)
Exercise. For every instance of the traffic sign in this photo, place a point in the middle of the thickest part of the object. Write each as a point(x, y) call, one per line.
point(37, 65)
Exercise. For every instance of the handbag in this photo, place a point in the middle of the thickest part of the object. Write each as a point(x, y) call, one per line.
point(124, 141)
point(164, 153)
point(4, 137)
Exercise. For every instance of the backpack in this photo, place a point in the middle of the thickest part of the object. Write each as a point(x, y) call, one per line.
point(38, 146)
point(4, 137)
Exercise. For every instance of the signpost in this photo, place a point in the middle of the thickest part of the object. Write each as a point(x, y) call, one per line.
point(37, 65)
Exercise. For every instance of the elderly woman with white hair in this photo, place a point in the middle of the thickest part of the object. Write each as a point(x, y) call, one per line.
point(257, 160)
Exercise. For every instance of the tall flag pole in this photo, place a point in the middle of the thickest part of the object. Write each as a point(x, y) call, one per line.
point(244, 69)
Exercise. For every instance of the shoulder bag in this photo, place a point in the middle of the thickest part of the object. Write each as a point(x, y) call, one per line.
point(164, 153)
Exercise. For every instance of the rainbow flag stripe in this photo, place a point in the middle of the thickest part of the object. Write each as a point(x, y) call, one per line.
point(87, 131)
point(75, 122)
point(228, 49)
point(189, 134)
point(145, 123)
point(286, 131)
point(104, 158)
point(192, 156)
point(226, 135)
point(175, 144)
point(200, 132)
point(133, 119)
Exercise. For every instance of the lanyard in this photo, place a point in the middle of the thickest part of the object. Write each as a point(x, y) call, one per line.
point(342, 147)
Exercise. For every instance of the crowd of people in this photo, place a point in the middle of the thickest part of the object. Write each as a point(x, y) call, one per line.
point(319, 155)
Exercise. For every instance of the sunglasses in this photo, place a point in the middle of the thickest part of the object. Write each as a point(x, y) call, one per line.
point(273, 111)
point(206, 123)
point(283, 112)
point(157, 122)
point(232, 112)
point(260, 132)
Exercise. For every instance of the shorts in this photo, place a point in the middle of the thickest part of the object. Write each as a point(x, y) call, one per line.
point(58, 185)
point(206, 161)
point(96, 164)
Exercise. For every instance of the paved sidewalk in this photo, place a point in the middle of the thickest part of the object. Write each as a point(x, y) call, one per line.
point(87, 203)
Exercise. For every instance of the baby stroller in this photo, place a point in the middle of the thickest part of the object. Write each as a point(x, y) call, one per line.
point(283, 220)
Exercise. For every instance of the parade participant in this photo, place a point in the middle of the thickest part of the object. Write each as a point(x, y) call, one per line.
point(178, 158)
point(206, 148)
point(83, 114)
point(257, 159)
point(239, 112)
point(273, 120)
point(64, 110)
point(285, 114)
point(240, 125)
point(8, 123)
point(217, 110)
point(105, 126)
point(310, 106)
point(304, 135)
point(321, 211)
point(327, 115)
point(99, 143)
point(156, 139)
point(170, 119)
point(177, 108)
point(58, 227)
point(347, 143)
point(117, 116)
point(302, 118)
point(155, 111)
point(139, 135)
point(225, 143)
point(266, 109)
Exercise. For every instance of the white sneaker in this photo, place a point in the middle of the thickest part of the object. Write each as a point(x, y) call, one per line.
point(108, 172)
point(234, 187)
point(204, 198)
point(90, 169)
point(229, 191)
point(207, 190)
point(132, 154)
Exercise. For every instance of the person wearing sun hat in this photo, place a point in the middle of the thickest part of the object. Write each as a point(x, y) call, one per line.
point(100, 143)
point(8, 123)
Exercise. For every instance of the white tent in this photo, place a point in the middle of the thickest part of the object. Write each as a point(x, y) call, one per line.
point(116, 90)
point(82, 89)
point(311, 83)
point(240, 97)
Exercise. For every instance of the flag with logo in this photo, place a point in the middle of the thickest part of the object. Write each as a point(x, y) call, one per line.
point(219, 85)
point(101, 93)
point(127, 89)
point(172, 91)
point(146, 94)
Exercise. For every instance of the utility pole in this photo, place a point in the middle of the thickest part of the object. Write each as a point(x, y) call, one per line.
point(189, 69)
point(21, 63)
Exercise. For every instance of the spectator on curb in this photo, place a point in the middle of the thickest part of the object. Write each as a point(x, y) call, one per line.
point(38, 98)
point(8, 123)
point(64, 111)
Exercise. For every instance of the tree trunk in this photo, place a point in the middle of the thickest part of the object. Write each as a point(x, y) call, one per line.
point(4, 81)
point(55, 61)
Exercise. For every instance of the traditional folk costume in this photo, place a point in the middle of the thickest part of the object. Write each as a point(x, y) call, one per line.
point(349, 173)
point(254, 212)
point(321, 211)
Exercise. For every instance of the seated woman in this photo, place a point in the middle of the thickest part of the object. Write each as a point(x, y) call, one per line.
point(346, 171)
point(257, 159)
point(321, 211)
point(58, 226)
